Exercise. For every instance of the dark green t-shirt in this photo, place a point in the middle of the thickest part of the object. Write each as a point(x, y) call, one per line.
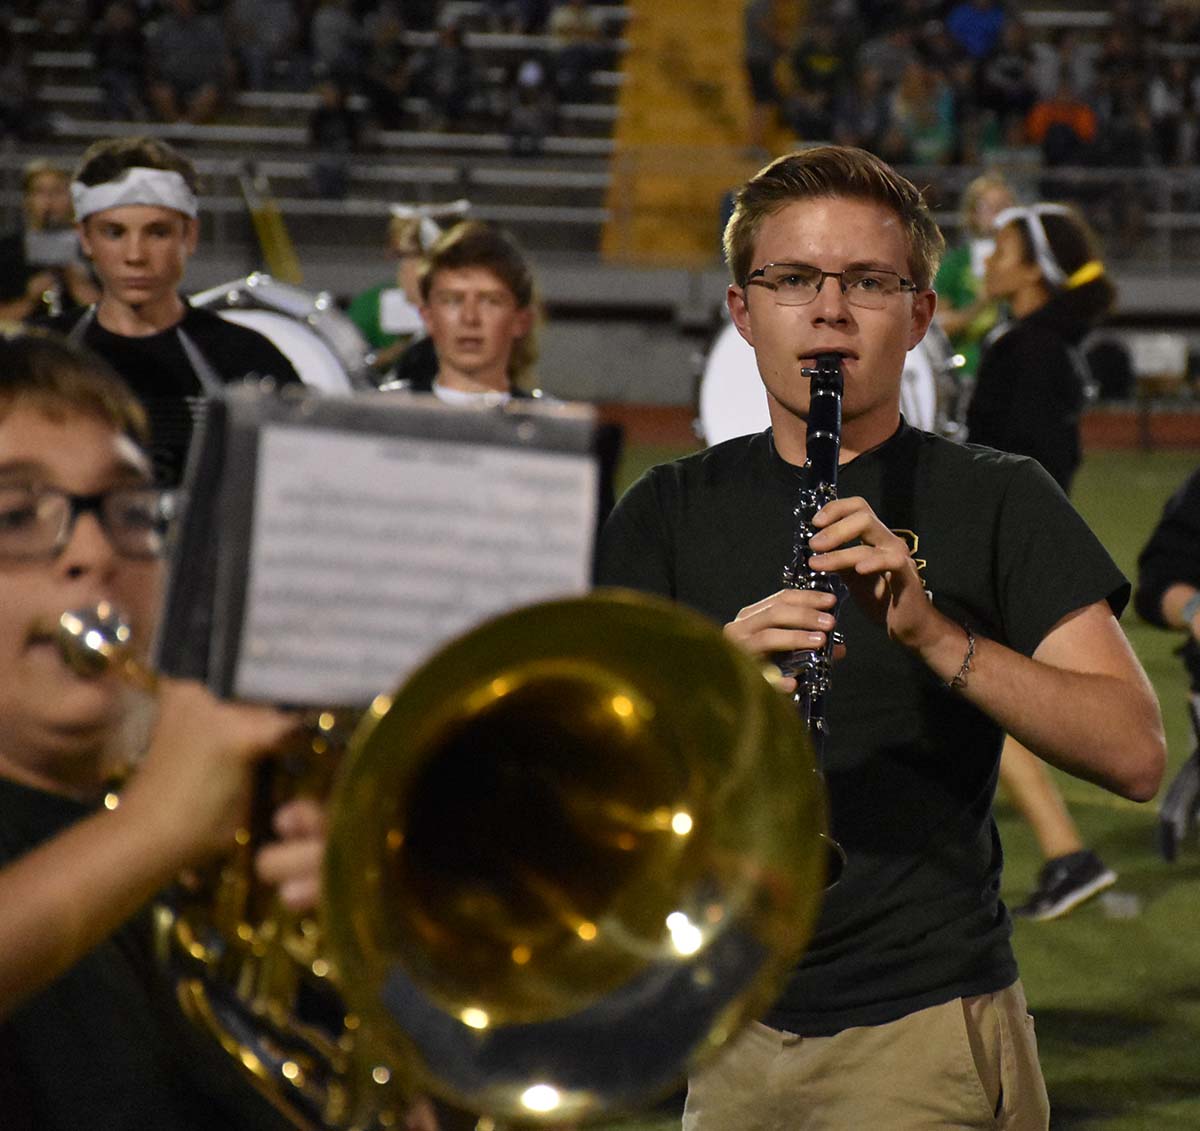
point(911, 767)
point(105, 1045)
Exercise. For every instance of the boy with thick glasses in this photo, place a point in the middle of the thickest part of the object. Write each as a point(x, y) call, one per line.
point(961, 624)
point(90, 1035)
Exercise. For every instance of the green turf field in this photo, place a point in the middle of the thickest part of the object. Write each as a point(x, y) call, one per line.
point(1115, 986)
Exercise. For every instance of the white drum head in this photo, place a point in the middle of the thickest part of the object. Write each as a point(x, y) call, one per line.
point(733, 401)
point(312, 359)
point(918, 388)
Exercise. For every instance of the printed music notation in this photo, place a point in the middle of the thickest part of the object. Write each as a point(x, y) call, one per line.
point(368, 552)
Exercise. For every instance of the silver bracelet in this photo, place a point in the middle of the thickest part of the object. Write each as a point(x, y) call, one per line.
point(1190, 609)
point(960, 680)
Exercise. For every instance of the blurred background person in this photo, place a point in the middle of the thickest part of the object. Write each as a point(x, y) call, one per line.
point(265, 35)
point(389, 313)
point(1028, 398)
point(190, 64)
point(42, 269)
point(964, 312)
point(763, 47)
point(119, 51)
point(333, 134)
point(1168, 595)
point(481, 311)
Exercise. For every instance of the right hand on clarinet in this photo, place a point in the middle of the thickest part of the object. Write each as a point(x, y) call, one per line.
point(877, 568)
point(792, 620)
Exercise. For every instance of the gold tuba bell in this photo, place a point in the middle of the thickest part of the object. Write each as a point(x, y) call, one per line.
point(573, 854)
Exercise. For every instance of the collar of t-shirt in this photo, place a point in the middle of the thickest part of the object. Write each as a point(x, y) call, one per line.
point(466, 397)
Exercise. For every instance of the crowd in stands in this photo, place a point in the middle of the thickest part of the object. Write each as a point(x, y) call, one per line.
point(940, 83)
point(185, 61)
point(975, 82)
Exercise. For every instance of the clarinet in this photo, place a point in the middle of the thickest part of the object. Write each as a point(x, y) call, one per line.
point(812, 668)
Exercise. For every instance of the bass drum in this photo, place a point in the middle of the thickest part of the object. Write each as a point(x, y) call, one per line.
point(732, 402)
point(325, 347)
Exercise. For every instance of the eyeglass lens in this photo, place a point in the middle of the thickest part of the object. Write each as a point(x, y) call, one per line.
point(37, 522)
point(797, 284)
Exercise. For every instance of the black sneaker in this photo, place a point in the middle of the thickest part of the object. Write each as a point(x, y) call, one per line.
point(1065, 882)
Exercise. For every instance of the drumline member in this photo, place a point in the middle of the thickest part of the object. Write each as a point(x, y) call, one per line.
point(90, 1034)
point(907, 1010)
point(136, 213)
point(480, 308)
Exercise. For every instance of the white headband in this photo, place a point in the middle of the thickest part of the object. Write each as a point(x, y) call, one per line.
point(427, 216)
point(162, 187)
point(1032, 216)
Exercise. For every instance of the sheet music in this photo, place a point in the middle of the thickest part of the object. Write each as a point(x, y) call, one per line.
point(370, 551)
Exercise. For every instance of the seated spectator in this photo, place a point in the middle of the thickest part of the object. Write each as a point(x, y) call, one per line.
point(762, 49)
point(1066, 57)
point(20, 115)
point(578, 35)
point(336, 40)
point(521, 17)
point(976, 25)
point(862, 112)
point(1122, 52)
point(449, 76)
point(333, 132)
point(119, 49)
point(386, 77)
point(975, 132)
point(923, 111)
point(809, 113)
point(1006, 79)
point(189, 64)
point(889, 52)
point(819, 60)
point(532, 106)
point(266, 39)
point(938, 49)
point(1064, 126)
point(1168, 102)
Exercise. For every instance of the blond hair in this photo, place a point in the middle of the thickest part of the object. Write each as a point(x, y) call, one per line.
point(832, 171)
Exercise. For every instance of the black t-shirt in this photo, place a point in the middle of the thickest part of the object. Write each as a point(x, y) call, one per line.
point(1171, 556)
point(16, 270)
point(1029, 392)
point(105, 1046)
point(911, 767)
point(164, 379)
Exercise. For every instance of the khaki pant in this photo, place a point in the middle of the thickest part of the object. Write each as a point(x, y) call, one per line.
point(971, 1062)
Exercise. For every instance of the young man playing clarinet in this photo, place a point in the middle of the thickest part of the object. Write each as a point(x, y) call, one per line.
point(961, 624)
